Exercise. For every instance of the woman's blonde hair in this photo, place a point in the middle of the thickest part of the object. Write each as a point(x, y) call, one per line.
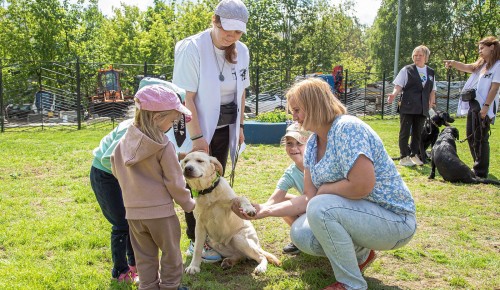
point(424, 49)
point(314, 97)
point(495, 56)
point(147, 122)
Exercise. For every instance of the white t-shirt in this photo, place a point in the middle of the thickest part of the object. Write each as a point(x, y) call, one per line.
point(402, 77)
point(481, 81)
point(188, 76)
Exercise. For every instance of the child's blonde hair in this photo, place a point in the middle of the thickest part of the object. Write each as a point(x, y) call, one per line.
point(148, 122)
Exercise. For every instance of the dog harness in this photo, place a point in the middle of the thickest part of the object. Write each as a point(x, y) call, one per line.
point(207, 190)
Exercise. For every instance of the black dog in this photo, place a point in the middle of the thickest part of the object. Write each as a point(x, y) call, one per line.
point(444, 156)
point(430, 132)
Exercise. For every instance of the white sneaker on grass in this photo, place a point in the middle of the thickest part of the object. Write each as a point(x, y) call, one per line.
point(416, 160)
point(406, 161)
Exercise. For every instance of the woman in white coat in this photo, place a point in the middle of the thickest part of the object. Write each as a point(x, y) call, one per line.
point(212, 66)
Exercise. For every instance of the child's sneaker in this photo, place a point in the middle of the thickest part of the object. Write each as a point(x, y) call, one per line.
point(208, 255)
point(133, 269)
point(190, 249)
point(128, 277)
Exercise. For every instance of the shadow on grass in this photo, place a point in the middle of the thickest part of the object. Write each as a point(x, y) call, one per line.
point(317, 272)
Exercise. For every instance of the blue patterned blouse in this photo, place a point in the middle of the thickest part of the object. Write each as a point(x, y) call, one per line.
point(348, 138)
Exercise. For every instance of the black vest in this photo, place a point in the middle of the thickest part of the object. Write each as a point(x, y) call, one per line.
point(415, 98)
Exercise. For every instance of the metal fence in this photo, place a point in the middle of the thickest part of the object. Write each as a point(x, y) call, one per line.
point(56, 95)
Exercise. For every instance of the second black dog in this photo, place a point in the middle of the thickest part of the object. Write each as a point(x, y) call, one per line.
point(444, 157)
point(430, 132)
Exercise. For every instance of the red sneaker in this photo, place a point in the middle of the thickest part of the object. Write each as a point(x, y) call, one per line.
point(371, 257)
point(335, 286)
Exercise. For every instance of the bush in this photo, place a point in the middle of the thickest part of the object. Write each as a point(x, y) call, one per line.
point(276, 116)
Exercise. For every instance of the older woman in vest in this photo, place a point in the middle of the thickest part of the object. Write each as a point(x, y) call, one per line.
point(212, 66)
point(418, 85)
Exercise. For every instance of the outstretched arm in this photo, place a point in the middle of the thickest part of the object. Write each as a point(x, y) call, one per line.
point(458, 65)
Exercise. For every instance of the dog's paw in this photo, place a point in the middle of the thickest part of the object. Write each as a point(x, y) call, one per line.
point(247, 207)
point(192, 270)
point(227, 263)
point(250, 211)
point(260, 269)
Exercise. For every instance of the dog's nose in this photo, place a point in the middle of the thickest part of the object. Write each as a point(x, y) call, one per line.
point(188, 170)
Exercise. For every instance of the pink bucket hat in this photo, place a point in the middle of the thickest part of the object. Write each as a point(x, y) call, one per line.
point(158, 98)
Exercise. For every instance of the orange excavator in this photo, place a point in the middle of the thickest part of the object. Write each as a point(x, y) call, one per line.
point(110, 100)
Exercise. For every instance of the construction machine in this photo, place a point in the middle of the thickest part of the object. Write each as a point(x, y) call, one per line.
point(110, 100)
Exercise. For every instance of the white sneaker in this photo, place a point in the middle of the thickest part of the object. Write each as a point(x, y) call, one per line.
point(417, 160)
point(406, 161)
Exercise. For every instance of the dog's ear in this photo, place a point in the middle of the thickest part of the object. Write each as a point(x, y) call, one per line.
point(455, 133)
point(450, 119)
point(216, 163)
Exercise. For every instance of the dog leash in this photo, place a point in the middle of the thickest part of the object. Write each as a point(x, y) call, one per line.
point(232, 174)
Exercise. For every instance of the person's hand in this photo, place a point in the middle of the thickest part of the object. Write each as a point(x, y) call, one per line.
point(484, 112)
point(200, 145)
point(448, 63)
point(242, 136)
point(390, 98)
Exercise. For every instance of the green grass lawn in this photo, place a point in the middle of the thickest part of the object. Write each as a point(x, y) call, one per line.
point(53, 235)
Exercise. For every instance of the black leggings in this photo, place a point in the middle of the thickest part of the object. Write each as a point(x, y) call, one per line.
point(218, 148)
point(477, 131)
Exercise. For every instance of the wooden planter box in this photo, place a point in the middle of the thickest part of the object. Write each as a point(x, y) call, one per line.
point(264, 133)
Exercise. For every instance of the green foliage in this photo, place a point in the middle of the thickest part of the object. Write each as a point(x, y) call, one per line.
point(275, 116)
point(450, 28)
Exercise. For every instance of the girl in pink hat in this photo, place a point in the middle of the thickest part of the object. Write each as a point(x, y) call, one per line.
point(146, 166)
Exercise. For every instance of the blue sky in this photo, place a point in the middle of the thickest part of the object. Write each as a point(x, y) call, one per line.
point(366, 10)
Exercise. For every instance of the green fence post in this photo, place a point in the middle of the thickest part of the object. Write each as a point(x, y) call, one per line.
point(1, 98)
point(448, 93)
point(383, 94)
point(345, 86)
point(78, 95)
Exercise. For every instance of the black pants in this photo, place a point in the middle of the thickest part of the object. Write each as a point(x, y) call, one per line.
point(413, 124)
point(218, 148)
point(109, 196)
point(477, 131)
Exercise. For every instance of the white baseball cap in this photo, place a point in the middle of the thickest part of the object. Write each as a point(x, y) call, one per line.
point(233, 15)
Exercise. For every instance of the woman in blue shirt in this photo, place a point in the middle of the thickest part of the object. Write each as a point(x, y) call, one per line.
point(354, 198)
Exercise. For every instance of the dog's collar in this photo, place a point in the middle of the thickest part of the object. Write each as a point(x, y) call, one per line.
point(207, 190)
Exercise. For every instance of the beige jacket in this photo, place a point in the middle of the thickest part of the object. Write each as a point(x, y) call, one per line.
point(150, 177)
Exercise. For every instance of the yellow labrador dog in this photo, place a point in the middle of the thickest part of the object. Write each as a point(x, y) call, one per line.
point(230, 236)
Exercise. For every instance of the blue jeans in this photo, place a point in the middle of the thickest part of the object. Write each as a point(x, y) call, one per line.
point(345, 231)
point(109, 196)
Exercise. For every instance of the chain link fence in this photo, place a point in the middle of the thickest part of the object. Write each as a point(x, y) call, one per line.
point(56, 95)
